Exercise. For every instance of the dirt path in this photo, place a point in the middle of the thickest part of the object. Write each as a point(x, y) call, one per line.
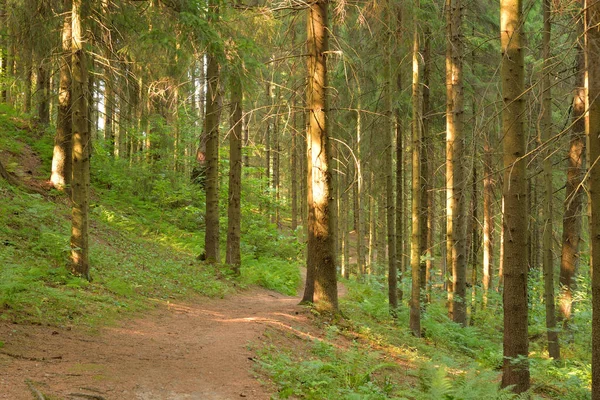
point(195, 350)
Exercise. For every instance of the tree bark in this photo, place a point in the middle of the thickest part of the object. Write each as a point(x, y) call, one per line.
point(233, 255)
point(516, 343)
point(320, 235)
point(573, 194)
point(81, 142)
point(455, 179)
point(488, 222)
point(592, 54)
point(42, 92)
point(294, 166)
point(61, 158)
point(211, 240)
point(415, 243)
point(389, 169)
point(211, 120)
point(548, 210)
point(426, 172)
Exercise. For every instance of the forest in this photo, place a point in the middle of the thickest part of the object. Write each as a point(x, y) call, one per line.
point(398, 199)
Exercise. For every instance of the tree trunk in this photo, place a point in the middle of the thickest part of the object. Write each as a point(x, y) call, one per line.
point(211, 119)
point(109, 100)
point(574, 194)
point(455, 179)
point(42, 92)
point(233, 255)
point(320, 236)
point(268, 141)
point(516, 344)
point(61, 158)
point(488, 222)
point(28, 76)
point(547, 239)
point(400, 141)
point(294, 166)
point(81, 142)
point(4, 51)
point(389, 169)
point(426, 173)
point(276, 179)
point(359, 219)
point(415, 243)
point(592, 54)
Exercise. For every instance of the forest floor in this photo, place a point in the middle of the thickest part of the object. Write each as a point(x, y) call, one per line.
point(196, 350)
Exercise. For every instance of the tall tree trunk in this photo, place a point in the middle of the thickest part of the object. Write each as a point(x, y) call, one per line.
point(4, 51)
point(211, 119)
point(320, 236)
point(592, 54)
point(455, 179)
point(61, 158)
point(546, 134)
point(109, 101)
point(28, 76)
point(389, 169)
point(516, 344)
point(43, 102)
point(488, 222)
point(81, 142)
point(426, 172)
point(268, 140)
point(359, 219)
point(233, 255)
point(294, 165)
point(276, 180)
point(400, 141)
point(574, 193)
point(415, 243)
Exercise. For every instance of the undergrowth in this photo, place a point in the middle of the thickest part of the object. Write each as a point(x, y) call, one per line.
point(146, 231)
point(450, 362)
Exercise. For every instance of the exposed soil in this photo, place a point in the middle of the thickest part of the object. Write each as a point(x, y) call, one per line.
point(196, 350)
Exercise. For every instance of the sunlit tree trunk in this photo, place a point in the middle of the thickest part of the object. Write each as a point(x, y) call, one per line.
point(320, 235)
point(61, 157)
point(516, 343)
point(455, 179)
point(546, 134)
point(573, 194)
point(81, 142)
point(415, 243)
point(359, 218)
point(488, 221)
point(233, 255)
point(592, 54)
point(211, 120)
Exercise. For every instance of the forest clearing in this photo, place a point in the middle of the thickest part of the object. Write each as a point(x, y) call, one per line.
point(173, 171)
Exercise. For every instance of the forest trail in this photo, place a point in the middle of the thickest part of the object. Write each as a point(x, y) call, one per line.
point(194, 350)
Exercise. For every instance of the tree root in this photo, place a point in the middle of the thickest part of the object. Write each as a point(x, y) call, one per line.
point(87, 396)
point(38, 395)
point(37, 359)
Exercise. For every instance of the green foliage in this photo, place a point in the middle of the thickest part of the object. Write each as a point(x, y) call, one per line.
point(331, 374)
point(271, 273)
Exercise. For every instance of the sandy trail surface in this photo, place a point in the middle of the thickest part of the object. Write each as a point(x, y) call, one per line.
point(194, 350)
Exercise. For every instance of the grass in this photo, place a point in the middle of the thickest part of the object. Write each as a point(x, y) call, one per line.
point(450, 362)
point(146, 231)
